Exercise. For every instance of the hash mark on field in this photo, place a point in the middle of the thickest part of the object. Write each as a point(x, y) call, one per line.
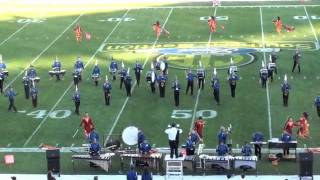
point(70, 85)
point(8, 38)
point(8, 145)
point(126, 101)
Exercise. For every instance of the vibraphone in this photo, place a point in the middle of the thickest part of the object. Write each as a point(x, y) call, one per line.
point(153, 159)
point(103, 160)
point(221, 161)
point(241, 162)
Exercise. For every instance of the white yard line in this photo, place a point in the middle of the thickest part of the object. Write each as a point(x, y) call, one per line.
point(314, 32)
point(8, 38)
point(43, 51)
point(267, 86)
point(199, 90)
point(126, 101)
point(65, 92)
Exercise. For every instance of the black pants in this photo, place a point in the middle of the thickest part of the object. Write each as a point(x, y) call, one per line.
point(58, 77)
point(34, 101)
point(80, 77)
point(285, 151)
point(138, 78)
point(233, 90)
point(114, 76)
point(216, 96)
point(121, 82)
point(270, 75)
point(263, 83)
point(128, 89)
point(75, 81)
point(77, 105)
point(318, 110)
point(190, 85)
point(294, 66)
point(173, 148)
point(201, 83)
point(96, 82)
point(257, 150)
point(153, 88)
point(107, 97)
point(189, 152)
point(27, 91)
point(162, 90)
point(285, 99)
point(12, 106)
point(275, 70)
point(1, 85)
point(176, 98)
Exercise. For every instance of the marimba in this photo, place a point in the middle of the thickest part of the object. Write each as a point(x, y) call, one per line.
point(249, 161)
point(60, 73)
point(103, 160)
point(152, 159)
point(276, 144)
point(221, 161)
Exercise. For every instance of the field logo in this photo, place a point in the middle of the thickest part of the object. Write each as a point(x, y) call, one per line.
point(127, 19)
point(29, 20)
point(218, 18)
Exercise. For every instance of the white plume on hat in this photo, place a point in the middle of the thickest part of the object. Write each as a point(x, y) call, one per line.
point(200, 64)
point(122, 64)
point(106, 77)
point(262, 64)
point(231, 60)
point(128, 71)
point(214, 71)
point(285, 79)
point(151, 65)
point(96, 63)
point(270, 58)
point(0, 58)
point(77, 88)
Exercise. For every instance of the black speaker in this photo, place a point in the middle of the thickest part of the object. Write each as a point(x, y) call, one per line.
point(53, 160)
point(305, 164)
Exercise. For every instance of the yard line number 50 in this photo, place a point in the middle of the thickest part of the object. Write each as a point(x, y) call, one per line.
point(187, 114)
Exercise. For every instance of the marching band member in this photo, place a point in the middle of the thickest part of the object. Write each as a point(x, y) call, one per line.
point(232, 68)
point(78, 66)
point(87, 124)
point(164, 65)
point(263, 75)
point(93, 136)
point(272, 67)
point(96, 73)
point(76, 77)
point(2, 77)
point(107, 91)
point(317, 104)
point(31, 72)
point(201, 75)
point(3, 73)
point(128, 83)
point(153, 79)
point(56, 67)
point(216, 86)
point(161, 79)
point(176, 91)
point(195, 137)
point(76, 99)
point(145, 147)
point(141, 137)
point(173, 132)
point(146, 174)
point(34, 95)
point(190, 76)
point(123, 73)
point(11, 94)
point(2, 64)
point(303, 131)
point(158, 30)
point(132, 174)
point(296, 60)
point(257, 137)
point(222, 149)
point(233, 78)
point(289, 125)
point(138, 71)
point(190, 146)
point(222, 135)
point(274, 57)
point(199, 125)
point(113, 68)
point(246, 149)
point(285, 87)
point(26, 84)
point(286, 137)
point(94, 148)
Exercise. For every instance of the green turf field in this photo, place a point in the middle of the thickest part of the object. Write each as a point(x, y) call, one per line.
point(127, 35)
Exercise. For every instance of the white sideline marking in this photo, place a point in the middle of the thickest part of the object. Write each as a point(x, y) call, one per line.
point(314, 32)
point(65, 92)
point(199, 90)
point(8, 38)
point(126, 101)
point(39, 55)
point(267, 88)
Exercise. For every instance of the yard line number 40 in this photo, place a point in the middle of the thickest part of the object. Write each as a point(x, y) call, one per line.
point(187, 114)
point(57, 114)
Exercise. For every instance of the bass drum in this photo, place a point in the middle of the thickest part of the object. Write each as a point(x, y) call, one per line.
point(130, 135)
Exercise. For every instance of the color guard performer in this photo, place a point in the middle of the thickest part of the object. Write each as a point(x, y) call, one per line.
point(296, 60)
point(158, 30)
point(123, 73)
point(303, 131)
point(107, 91)
point(233, 78)
point(263, 75)
point(216, 86)
point(278, 23)
point(212, 22)
point(199, 126)
point(113, 68)
point(190, 76)
point(317, 104)
point(138, 71)
point(76, 99)
point(34, 95)
point(87, 124)
point(78, 66)
point(201, 75)
point(128, 82)
point(289, 125)
point(176, 91)
point(285, 87)
point(78, 33)
point(11, 94)
point(95, 75)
